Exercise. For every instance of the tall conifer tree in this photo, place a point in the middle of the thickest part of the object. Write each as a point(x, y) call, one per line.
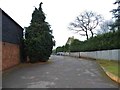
point(38, 37)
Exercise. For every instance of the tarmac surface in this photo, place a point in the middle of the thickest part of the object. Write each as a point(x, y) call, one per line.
point(58, 72)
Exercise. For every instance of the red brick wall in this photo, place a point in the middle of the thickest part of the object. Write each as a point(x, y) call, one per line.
point(10, 55)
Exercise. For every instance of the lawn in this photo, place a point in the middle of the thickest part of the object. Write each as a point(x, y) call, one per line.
point(111, 66)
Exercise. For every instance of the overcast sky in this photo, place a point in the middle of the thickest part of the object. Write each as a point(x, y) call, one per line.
point(59, 13)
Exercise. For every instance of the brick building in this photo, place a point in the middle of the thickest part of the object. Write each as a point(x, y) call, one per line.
point(12, 34)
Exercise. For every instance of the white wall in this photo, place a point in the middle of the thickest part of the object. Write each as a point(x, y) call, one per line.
point(76, 54)
point(105, 54)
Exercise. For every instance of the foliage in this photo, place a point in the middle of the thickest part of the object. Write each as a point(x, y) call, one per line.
point(75, 45)
point(64, 48)
point(23, 52)
point(116, 13)
point(59, 49)
point(38, 37)
point(105, 41)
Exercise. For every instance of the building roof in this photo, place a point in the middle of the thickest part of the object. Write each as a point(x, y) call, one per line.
point(11, 18)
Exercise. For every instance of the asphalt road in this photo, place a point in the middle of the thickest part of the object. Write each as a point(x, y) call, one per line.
point(59, 72)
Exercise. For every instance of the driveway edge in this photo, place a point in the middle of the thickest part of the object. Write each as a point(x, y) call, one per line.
point(110, 75)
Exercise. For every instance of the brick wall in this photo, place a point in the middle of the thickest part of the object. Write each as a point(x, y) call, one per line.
point(0, 56)
point(10, 55)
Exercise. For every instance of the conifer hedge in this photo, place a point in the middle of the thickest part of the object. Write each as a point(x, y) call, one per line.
point(106, 41)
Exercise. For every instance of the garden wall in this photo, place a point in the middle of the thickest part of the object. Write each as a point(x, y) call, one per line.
point(10, 55)
point(104, 54)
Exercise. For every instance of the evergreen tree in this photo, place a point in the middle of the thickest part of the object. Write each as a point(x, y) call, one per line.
point(38, 38)
point(116, 13)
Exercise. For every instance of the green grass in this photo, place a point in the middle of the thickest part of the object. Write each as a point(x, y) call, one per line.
point(110, 66)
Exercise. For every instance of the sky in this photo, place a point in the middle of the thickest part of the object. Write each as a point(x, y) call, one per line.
point(59, 13)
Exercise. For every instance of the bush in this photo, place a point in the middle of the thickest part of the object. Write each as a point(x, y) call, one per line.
point(106, 41)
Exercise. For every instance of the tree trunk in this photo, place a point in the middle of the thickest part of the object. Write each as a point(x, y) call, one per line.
point(92, 33)
point(87, 35)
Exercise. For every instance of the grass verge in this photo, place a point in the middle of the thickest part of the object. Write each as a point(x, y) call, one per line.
point(111, 66)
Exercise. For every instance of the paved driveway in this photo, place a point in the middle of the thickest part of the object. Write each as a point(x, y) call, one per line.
point(59, 72)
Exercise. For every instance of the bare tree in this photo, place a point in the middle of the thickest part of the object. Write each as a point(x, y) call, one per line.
point(86, 22)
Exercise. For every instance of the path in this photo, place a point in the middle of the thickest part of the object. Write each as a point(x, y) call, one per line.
point(59, 72)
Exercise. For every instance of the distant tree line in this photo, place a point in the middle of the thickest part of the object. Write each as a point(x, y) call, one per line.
point(107, 41)
point(64, 48)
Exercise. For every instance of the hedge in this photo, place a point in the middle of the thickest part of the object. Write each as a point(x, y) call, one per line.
point(106, 41)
